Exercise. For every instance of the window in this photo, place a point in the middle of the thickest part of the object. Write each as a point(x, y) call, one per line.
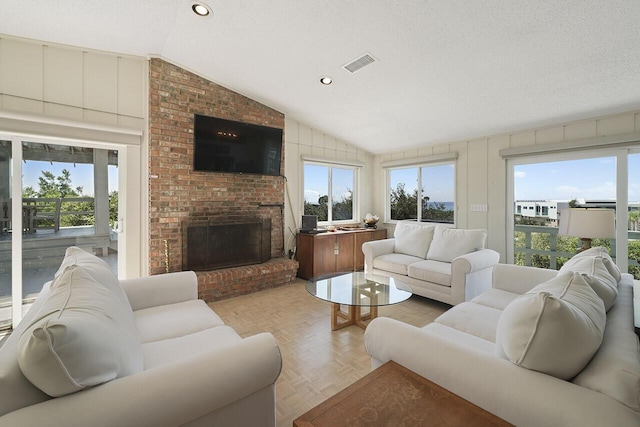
point(560, 183)
point(424, 193)
point(577, 179)
point(329, 192)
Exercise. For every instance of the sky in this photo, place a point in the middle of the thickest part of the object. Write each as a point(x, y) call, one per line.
point(563, 180)
point(81, 174)
point(574, 179)
point(316, 182)
point(438, 181)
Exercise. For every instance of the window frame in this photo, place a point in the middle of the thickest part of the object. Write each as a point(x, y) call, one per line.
point(621, 170)
point(355, 192)
point(419, 166)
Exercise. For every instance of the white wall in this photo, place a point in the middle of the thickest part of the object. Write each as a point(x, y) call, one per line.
point(481, 172)
point(71, 83)
point(300, 140)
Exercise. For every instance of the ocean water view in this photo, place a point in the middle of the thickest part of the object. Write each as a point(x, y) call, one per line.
point(447, 205)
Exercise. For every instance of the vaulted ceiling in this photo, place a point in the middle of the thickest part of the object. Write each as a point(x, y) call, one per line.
point(444, 70)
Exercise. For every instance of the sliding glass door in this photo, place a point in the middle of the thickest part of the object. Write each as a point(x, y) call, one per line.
point(540, 186)
point(53, 195)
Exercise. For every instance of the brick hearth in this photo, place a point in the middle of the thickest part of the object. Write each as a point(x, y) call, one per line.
point(177, 193)
point(230, 282)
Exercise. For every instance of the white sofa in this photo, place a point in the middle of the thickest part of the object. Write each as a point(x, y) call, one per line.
point(525, 350)
point(438, 262)
point(95, 351)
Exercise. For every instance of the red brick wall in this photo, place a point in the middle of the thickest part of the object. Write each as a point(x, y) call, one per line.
point(176, 192)
point(230, 282)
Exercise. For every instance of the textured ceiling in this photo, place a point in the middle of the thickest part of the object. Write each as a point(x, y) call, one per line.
point(445, 70)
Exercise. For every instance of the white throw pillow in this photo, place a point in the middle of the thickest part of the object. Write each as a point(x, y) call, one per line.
point(612, 268)
point(597, 276)
point(97, 268)
point(82, 336)
point(608, 261)
point(593, 251)
point(412, 238)
point(450, 243)
point(555, 328)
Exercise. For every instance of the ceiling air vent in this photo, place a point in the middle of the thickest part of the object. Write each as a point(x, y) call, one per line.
point(359, 63)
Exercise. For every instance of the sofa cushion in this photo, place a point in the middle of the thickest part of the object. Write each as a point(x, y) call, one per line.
point(608, 261)
point(174, 320)
point(159, 353)
point(459, 337)
point(95, 267)
point(475, 319)
point(82, 336)
point(495, 298)
point(412, 238)
point(612, 268)
point(395, 263)
point(450, 243)
point(431, 271)
point(555, 328)
point(615, 368)
point(597, 276)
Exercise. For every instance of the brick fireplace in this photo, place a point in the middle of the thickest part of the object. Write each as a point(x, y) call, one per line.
point(215, 245)
point(179, 195)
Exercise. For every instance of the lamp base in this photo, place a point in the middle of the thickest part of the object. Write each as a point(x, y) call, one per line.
point(586, 244)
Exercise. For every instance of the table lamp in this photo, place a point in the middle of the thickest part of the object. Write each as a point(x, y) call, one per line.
point(588, 224)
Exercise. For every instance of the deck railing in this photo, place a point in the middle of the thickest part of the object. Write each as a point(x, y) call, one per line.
point(71, 200)
point(48, 212)
point(528, 250)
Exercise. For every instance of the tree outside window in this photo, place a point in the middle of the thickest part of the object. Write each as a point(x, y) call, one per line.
point(327, 186)
point(436, 186)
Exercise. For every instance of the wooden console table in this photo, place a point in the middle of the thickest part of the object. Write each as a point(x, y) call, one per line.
point(394, 395)
point(332, 252)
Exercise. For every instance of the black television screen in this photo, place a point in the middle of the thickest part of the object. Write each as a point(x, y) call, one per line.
point(228, 146)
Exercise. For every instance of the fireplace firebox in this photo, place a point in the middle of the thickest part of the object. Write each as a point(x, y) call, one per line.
point(209, 245)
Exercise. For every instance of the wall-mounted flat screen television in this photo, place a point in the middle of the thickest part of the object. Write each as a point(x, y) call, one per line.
point(228, 146)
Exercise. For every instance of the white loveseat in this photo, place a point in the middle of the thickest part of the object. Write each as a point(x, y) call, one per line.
point(95, 351)
point(438, 262)
point(538, 349)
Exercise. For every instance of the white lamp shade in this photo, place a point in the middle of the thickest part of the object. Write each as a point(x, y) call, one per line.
point(590, 223)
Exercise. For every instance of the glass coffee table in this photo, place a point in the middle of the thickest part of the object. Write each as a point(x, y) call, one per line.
point(357, 289)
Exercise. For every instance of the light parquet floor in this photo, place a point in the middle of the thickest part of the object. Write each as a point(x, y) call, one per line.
point(317, 363)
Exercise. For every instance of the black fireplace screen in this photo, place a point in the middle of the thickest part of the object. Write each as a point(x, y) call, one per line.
point(211, 246)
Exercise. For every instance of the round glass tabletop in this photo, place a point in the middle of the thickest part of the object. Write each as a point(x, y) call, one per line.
point(358, 289)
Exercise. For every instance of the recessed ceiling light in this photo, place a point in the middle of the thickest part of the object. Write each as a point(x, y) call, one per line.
point(201, 9)
point(326, 80)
